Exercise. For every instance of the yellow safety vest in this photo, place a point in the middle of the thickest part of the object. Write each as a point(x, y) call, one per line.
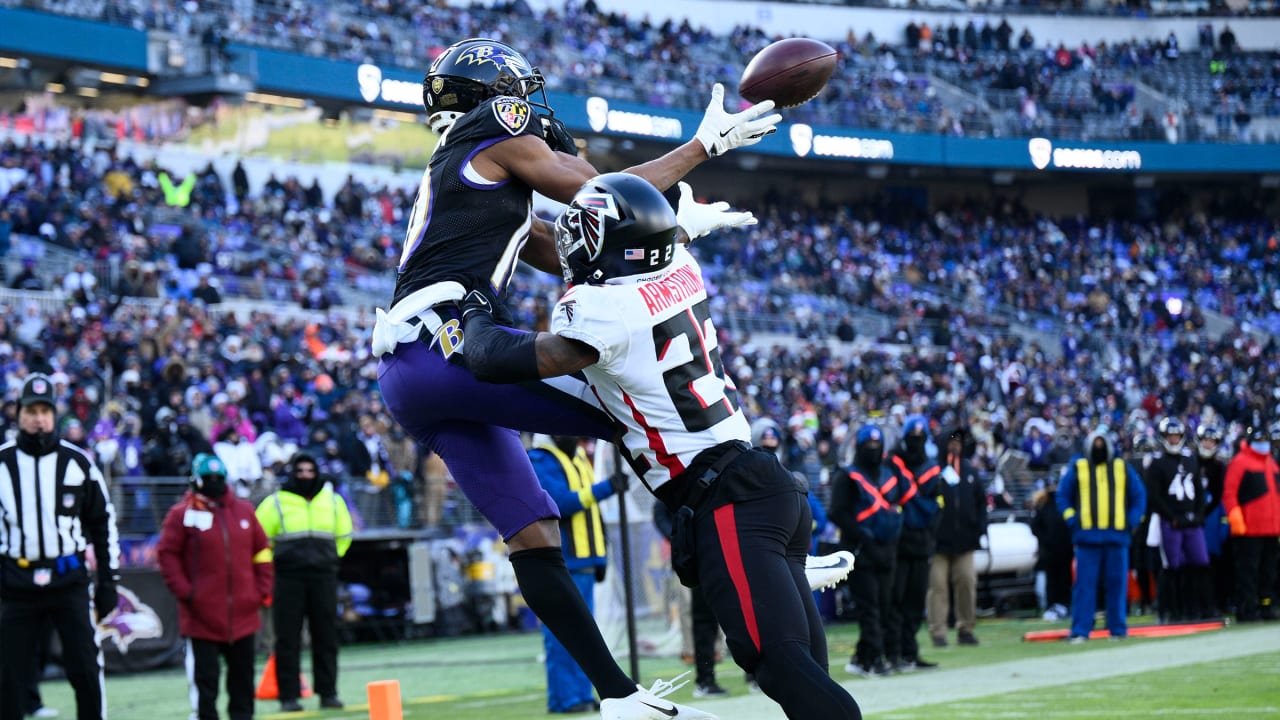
point(583, 531)
point(1102, 492)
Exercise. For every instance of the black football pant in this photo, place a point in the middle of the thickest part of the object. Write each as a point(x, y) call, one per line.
point(313, 598)
point(24, 619)
point(905, 613)
point(751, 557)
point(202, 676)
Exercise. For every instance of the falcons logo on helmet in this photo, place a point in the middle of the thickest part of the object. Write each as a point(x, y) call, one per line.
point(587, 215)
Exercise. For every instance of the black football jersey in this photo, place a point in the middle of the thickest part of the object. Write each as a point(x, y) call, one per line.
point(464, 227)
point(1173, 484)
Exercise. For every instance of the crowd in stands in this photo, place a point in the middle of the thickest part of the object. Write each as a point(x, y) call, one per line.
point(286, 242)
point(151, 367)
point(1011, 85)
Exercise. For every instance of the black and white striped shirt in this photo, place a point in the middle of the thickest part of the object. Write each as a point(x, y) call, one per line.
point(53, 505)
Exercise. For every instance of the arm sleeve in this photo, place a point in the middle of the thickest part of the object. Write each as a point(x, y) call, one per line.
point(342, 532)
point(1231, 486)
point(980, 504)
point(171, 553)
point(268, 518)
point(1067, 496)
point(99, 518)
point(1137, 500)
point(843, 511)
point(587, 314)
point(263, 568)
point(1155, 485)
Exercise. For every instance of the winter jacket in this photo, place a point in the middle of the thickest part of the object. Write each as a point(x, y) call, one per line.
point(216, 561)
point(920, 509)
point(866, 505)
point(1249, 494)
point(962, 519)
point(308, 535)
point(1102, 503)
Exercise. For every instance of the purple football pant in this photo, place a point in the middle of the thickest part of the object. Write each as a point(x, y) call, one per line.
point(1182, 547)
point(475, 427)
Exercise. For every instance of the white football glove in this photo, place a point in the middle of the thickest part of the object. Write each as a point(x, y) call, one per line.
point(721, 132)
point(698, 219)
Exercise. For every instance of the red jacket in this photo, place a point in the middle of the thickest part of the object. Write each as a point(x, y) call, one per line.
point(216, 560)
point(1249, 492)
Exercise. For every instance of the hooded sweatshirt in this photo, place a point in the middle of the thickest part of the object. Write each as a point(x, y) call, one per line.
point(1102, 502)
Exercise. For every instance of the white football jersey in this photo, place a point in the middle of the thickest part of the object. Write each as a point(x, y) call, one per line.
point(659, 371)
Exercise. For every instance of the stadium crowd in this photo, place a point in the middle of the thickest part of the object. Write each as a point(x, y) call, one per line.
point(152, 338)
point(289, 242)
point(1010, 85)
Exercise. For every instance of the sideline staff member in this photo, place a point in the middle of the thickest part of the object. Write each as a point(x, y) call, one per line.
point(310, 529)
point(53, 502)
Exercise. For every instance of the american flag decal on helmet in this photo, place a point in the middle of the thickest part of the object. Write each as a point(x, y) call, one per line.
point(633, 254)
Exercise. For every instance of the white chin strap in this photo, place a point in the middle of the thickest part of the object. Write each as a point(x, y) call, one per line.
point(441, 121)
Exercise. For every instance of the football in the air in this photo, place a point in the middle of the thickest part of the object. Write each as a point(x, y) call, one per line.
point(789, 72)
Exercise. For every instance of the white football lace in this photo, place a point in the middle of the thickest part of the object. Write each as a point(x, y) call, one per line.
point(663, 688)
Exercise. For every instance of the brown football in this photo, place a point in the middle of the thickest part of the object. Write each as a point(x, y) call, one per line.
point(789, 72)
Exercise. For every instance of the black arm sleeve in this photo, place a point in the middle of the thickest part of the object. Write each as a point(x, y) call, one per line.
point(497, 354)
point(98, 518)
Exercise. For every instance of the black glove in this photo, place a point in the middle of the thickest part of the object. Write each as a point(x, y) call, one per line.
point(105, 599)
point(619, 482)
point(557, 135)
point(476, 301)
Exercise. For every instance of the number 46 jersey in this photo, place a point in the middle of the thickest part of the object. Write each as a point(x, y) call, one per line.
point(659, 371)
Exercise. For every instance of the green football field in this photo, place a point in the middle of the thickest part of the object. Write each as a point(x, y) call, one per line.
point(1229, 673)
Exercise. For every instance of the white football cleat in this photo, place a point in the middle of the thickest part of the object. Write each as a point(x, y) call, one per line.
point(825, 571)
point(649, 705)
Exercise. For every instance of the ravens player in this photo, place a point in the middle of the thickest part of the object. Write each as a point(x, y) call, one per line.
point(635, 322)
point(1175, 494)
point(1213, 469)
point(471, 222)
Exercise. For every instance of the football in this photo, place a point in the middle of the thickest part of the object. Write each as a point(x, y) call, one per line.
point(789, 72)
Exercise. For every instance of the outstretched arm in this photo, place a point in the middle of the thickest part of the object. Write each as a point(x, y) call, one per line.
point(499, 354)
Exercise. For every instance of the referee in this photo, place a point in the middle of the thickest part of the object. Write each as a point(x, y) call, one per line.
point(53, 503)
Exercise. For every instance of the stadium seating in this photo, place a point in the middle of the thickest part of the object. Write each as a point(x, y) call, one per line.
point(952, 85)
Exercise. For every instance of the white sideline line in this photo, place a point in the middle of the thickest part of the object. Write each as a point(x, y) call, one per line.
point(882, 695)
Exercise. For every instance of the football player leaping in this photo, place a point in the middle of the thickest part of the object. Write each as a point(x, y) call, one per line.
point(471, 222)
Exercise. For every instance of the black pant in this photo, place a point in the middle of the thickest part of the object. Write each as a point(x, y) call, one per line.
point(872, 585)
point(751, 558)
point(1255, 575)
point(905, 613)
point(24, 618)
point(313, 598)
point(705, 630)
point(202, 675)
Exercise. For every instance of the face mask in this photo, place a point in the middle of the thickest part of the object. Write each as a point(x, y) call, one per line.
point(213, 486)
point(914, 445)
point(37, 443)
point(1262, 446)
point(868, 456)
point(1098, 455)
